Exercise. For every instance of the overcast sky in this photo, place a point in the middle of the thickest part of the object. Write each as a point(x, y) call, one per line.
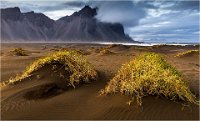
point(148, 21)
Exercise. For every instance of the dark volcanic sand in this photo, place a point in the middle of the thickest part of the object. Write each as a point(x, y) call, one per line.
point(84, 101)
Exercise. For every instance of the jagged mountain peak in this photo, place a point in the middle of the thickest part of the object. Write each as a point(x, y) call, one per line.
point(13, 9)
point(86, 11)
point(11, 13)
point(81, 26)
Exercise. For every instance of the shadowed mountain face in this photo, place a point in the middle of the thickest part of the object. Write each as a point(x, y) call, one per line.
point(81, 26)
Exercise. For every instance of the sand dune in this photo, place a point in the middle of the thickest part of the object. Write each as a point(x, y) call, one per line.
point(42, 99)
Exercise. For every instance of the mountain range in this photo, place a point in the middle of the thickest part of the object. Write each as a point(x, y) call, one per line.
point(81, 26)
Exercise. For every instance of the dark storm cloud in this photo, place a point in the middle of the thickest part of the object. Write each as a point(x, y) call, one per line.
point(43, 6)
point(126, 12)
point(60, 5)
point(75, 3)
point(185, 5)
point(172, 21)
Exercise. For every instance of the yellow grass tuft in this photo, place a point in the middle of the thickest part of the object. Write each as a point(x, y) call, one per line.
point(79, 68)
point(187, 53)
point(150, 74)
point(19, 52)
point(82, 52)
point(111, 46)
point(105, 52)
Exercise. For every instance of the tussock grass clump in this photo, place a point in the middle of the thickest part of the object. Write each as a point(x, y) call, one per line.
point(93, 49)
point(112, 45)
point(74, 64)
point(54, 49)
point(150, 74)
point(82, 52)
point(18, 52)
point(105, 52)
point(188, 53)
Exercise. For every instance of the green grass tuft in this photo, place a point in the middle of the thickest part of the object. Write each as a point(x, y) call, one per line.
point(150, 74)
point(79, 68)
